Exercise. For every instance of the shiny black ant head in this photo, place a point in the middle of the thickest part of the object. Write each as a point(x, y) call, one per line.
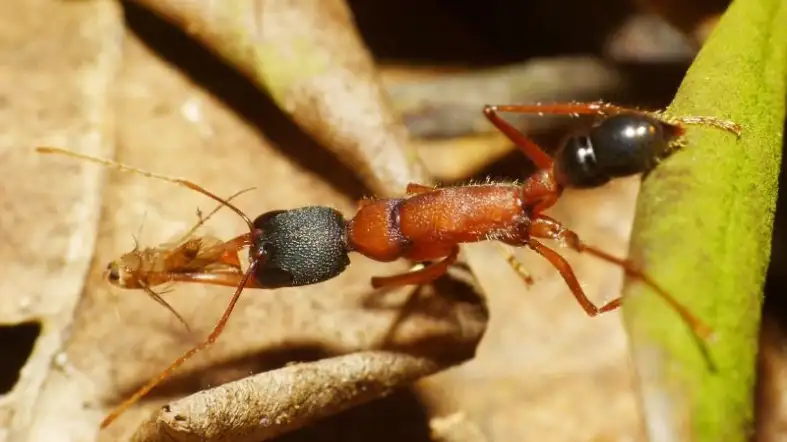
point(299, 246)
point(618, 146)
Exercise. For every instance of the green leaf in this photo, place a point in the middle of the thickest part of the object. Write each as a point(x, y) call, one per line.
point(703, 231)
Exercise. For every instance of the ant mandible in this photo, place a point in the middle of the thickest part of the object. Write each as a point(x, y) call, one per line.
point(308, 245)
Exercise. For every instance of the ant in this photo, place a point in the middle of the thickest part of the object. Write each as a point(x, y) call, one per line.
point(308, 245)
point(188, 259)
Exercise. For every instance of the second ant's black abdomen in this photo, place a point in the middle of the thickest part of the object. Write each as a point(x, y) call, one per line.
point(300, 246)
point(619, 146)
point(627, 144)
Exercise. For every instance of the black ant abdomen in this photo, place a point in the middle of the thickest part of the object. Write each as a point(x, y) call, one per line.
point(618, 146)
point(299, 247)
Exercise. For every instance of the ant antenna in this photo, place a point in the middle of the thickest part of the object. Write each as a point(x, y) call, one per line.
point(179, 181)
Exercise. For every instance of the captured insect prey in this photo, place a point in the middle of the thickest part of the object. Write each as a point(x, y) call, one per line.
point(308, 245)
point(179, 261)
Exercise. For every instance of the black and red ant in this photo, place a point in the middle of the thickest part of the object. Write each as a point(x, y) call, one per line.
point(308, 245)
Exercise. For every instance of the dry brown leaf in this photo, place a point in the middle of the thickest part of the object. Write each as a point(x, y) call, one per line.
point(53, 86)
point(309, 57)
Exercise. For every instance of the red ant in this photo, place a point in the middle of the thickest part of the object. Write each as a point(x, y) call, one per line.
point(309, 245)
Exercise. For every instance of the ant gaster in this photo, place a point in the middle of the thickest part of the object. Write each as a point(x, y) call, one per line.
point(309, 245)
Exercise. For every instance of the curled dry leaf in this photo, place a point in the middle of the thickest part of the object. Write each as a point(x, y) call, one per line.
point(309, 57)
point(264, 406)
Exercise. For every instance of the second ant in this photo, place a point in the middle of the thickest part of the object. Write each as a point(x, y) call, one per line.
point(308, 245)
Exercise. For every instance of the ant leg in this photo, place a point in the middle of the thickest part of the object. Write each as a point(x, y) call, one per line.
point(568, 275)
point(529, 148)
point(418, 277)
point(599, 108)
point(217, 330)
point(515, 264)
point(415, 189)
point(546, 227)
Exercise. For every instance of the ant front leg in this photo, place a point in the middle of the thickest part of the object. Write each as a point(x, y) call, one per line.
point(528, 147)
point(418, 277)
point(549, 228)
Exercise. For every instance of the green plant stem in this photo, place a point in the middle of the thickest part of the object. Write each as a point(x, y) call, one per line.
point(703, 230)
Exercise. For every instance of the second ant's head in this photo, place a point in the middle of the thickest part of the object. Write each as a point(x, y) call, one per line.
point(618, 146)
point(299, 246)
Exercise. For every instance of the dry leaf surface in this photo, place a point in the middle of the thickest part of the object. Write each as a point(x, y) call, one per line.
point(310, 58)
point(53, 85)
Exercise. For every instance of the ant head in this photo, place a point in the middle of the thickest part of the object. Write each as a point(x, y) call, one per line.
point(299, 246)
point(618, 146)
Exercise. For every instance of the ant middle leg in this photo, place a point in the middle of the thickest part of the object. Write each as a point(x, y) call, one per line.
point(545, 227)
point(418, 277)
point(565, 270)
point(527, 146)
